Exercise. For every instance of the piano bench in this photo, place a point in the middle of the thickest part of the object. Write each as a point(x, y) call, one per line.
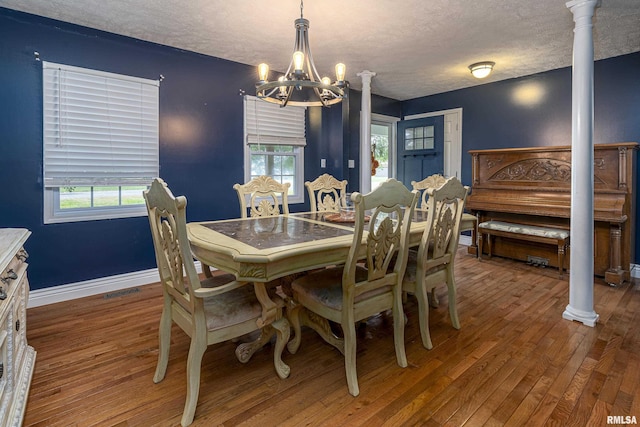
point(531, 233)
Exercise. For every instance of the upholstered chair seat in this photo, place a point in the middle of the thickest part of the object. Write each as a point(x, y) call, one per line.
point(325, 287)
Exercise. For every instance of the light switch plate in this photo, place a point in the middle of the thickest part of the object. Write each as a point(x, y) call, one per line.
point(323, 163)
point(352, 164)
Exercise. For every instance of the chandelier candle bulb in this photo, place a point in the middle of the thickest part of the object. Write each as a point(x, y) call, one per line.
point(263, 72)
point(283, 89)
point(326, 81)
point(298, 60)
point(341, 71)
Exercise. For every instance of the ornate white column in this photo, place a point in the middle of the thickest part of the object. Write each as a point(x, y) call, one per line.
point(365, 132)
point(581, 306)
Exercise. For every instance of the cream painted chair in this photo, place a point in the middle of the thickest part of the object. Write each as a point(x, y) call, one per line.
point(210, 311)
point(356, 291)
point(326, 193)
point(263, 196)
point(433, 263)
point(433, 181)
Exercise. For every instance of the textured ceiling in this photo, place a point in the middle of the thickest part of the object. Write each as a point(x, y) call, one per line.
point(416, 47)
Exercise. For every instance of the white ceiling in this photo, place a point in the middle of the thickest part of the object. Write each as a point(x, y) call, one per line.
point(416, 47)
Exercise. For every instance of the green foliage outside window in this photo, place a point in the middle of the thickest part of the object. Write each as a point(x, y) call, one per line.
point(88, 197)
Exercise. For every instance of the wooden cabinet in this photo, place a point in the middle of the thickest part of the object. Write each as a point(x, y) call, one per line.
point(17, 358)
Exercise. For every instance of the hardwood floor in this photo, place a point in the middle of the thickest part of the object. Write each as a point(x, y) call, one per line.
point(514, 362)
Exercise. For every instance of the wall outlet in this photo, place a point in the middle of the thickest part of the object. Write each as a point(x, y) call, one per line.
point(352, 164)
point(323, 163)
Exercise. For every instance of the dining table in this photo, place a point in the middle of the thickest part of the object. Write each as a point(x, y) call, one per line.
point(267, 248)
point(263, 249)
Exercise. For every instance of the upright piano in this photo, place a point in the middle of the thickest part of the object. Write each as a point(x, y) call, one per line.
point(532, 186)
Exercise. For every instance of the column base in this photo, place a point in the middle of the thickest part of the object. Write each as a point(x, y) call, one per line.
point(586, 318)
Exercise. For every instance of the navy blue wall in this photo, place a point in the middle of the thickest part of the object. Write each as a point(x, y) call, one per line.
point(536, 111)
point(324, 141)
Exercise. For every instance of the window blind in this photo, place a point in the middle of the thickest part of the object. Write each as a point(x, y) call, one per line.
point(267, 123)
point(99, 128)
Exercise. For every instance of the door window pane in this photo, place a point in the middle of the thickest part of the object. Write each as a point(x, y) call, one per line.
point(419, 138)
point(428, 131)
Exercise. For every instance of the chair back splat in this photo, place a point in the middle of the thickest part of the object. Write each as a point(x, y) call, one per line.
point(434, 181)
point(326, 193)
point(263, 196)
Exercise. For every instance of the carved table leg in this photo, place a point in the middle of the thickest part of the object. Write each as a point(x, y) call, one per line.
point(322, 327)
point(299, 316)
point(245, 350)
point(293, 314)
point(283, 331)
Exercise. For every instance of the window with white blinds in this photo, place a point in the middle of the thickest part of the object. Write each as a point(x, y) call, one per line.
point(100, 143)
point(99, 128)
point(267, 123)
point(274, 144)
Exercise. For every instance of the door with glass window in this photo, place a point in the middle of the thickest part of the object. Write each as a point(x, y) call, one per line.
point(420, 148)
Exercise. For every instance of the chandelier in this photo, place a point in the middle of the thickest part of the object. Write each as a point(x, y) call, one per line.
point(301, 84)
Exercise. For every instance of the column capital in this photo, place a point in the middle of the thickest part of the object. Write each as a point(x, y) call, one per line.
point(366, 76)
point(582, 8)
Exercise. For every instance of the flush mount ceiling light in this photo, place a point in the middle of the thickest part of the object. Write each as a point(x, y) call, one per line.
point(301, 84)
point(480, 70)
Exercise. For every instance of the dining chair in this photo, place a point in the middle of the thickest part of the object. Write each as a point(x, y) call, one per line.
point(326, 193)
point(433, 263)
point(264, 195)
point(432, 181)
point(355, 291)
point(210, 311)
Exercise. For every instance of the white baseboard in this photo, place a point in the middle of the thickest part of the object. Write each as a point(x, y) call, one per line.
point(118, 282)
point(97, 286)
